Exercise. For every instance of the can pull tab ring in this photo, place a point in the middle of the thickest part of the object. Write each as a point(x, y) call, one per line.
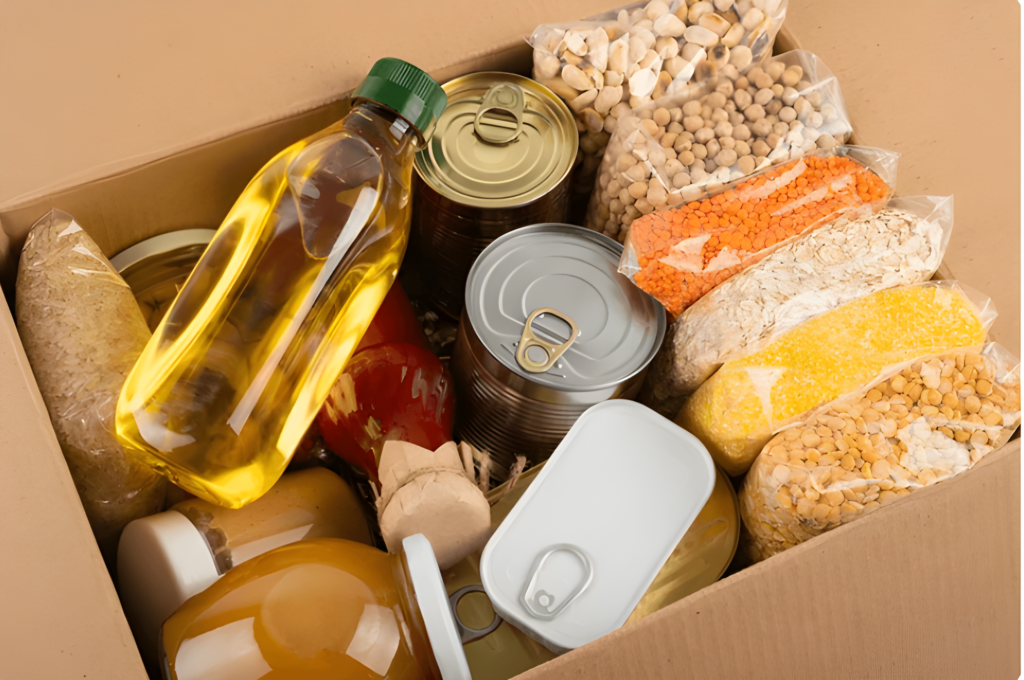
point(546, 605)
point(467, 634)
point(552, 351)
point(504, 102)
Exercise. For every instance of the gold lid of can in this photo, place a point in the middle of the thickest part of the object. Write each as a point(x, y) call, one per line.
point(503, 141)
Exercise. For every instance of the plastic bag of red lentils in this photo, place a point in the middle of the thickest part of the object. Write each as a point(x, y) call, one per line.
point(678, 255)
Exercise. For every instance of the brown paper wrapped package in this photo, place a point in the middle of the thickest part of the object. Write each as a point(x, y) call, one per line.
point(83, 332)
point(431, 493)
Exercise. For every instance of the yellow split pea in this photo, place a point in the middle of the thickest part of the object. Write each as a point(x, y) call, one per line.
point(791, 493)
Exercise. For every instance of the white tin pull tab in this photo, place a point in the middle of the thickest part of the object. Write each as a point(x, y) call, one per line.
point(548, 350)
point(504, 102)
point(559, 576)
point(467, 634)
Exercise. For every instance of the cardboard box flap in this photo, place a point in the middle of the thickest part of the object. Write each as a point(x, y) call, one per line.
point(56, 598)
point(115, 85)
point(838, 606)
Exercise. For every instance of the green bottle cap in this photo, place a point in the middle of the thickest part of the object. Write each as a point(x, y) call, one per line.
point(406, 90)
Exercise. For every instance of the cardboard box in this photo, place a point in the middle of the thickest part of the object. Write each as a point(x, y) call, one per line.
point(142, 119)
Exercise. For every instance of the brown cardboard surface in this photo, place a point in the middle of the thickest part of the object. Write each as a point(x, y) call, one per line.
point(93, 89)
point(59, 614)
point(900, 66)
point(926, 588)
point(195, 188)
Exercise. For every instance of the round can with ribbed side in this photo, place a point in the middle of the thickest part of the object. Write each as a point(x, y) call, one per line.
point(549, 329)
point(157, 268)
point(499, 159)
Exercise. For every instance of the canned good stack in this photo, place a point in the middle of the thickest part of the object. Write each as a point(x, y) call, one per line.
point(339, 482)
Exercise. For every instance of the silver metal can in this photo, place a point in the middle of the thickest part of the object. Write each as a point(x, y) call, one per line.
point(549, 329)
point(499, 159)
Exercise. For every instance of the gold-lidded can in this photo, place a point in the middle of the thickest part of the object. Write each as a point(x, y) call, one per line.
point(499, 159)
point(157, 268)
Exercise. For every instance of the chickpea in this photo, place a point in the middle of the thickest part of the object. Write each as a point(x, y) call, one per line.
point(742, 99)
point(746, 164)
point(724, 129)
point(763, 96)
point(726, 158)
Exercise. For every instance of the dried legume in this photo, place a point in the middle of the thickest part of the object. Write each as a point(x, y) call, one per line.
point(719, 132)
point(738, 409)
point(629, 57)
point(682, 253)
point(885, 457)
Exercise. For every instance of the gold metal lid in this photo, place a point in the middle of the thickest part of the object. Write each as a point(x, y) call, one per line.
point(503, 141)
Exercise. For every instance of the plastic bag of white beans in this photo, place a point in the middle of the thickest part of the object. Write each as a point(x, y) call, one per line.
point(920, 423)
point(669, 151)
point(605, 65)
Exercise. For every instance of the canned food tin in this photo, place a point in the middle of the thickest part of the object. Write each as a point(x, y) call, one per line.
point(499, 159)
point(550, 328)
point(575, 555)
point(156, 269)
point(497, 650)
point(703, 555)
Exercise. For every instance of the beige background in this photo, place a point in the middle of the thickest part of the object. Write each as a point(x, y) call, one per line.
point(88, 91)
point(101, 86)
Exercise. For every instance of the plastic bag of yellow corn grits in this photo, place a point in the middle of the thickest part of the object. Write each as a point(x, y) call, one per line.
point(740, 407)
point(924, 421)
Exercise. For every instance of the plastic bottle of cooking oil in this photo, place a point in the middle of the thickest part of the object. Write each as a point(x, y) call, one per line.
point(248, 351)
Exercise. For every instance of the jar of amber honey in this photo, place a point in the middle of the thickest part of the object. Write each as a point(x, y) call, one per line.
point(320, 609)
point(165, 559)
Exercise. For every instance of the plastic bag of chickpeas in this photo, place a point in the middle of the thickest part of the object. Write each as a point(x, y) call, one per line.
point(627, 57)
point(676, 149)
point(918, 424)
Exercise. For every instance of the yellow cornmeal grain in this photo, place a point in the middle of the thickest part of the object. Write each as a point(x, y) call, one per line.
point(736, 411)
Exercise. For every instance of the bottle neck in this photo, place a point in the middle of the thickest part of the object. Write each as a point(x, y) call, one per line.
point(382, 126)
point(419, 640)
